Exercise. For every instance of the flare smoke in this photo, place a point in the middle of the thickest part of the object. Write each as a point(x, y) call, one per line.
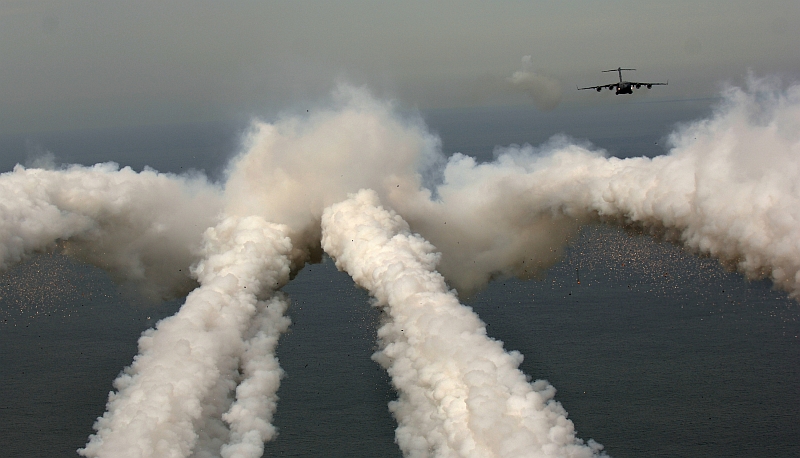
point(205, 380)
point(461, 394)
point(188, 365)
point(728, 189)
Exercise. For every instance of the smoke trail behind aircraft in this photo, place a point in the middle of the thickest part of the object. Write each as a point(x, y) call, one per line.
point(188, 365)
point(460, 393)
point(727, 189)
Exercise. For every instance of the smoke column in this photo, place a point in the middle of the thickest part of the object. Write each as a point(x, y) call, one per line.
point(188, 364)
point(460, 393)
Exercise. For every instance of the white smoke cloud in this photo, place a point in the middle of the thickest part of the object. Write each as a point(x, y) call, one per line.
point(460, 393)
point(205, 380)
point(543, 90)
point(145, 227)
point(491, 220)
point(250, 416)
point(727, 189)
point(292, 169)
point(187, 366)
point(178, 396)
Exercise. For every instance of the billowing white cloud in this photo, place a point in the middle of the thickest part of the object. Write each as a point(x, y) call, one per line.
point(460, 393)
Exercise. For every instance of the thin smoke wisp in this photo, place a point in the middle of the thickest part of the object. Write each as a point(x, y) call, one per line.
point(545, 92)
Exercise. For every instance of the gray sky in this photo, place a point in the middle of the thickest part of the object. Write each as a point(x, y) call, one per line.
point(77, 64)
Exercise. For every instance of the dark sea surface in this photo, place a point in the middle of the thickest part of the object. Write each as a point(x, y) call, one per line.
point(655, 353)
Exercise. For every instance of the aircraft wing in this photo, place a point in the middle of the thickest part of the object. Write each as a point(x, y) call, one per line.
point(609, 86)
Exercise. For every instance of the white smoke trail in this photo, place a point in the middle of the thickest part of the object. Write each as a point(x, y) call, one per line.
point(289, 172)
point(171, 383)
point(250, 416)
point(728, 188)
point(148, 227)
point(145, 227)
point(460, 393)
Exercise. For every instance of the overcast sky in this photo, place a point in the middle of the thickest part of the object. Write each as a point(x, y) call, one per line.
point(85, 64)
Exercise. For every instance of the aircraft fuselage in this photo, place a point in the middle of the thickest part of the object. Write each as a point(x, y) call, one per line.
point(624, 88)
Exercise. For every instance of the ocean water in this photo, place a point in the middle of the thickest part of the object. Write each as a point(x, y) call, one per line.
point(656, 352)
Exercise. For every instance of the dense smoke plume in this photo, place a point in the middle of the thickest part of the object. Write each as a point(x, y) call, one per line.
point(460, 393)
point(173, 399)
point(144, 227)
point(205, 380)
point(291, 170)
point(728, 189)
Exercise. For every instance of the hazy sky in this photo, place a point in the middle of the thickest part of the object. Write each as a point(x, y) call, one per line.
point(83, 64)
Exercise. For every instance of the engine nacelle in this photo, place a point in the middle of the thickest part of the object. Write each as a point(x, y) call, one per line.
point(599, 89)
point(649, 86)
point(610, 88)
point(638, 86)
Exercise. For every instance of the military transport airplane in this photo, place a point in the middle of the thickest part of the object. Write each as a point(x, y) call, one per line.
point(623, 87)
